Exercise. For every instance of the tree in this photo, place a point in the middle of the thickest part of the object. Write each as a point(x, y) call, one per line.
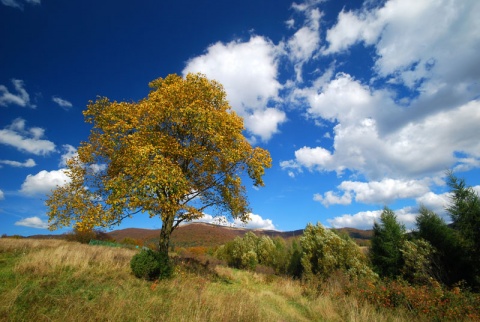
point(172, 154)
point(388, 236)
point(464, 209)
point(449, 257)
point(418, 258)
point(324, 252)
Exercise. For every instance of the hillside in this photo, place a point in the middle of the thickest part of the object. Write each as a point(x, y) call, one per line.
point(208, 235)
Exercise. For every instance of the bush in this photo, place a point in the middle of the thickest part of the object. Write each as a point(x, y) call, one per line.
point(151, 265)
point(85, 236)
point(324, 252)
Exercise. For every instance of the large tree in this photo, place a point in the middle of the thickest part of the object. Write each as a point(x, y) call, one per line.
point(173, 154)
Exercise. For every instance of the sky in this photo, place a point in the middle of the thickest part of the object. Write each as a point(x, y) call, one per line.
point(362, 104)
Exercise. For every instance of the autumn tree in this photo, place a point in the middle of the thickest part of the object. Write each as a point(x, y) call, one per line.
point(172, 154)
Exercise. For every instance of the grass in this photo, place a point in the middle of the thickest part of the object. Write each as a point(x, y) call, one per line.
point(55, 280)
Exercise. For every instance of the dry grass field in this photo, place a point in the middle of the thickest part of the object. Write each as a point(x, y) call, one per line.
point(56, 280)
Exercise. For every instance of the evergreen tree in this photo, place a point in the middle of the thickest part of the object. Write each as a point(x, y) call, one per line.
point(388, 236)
point(464, 210)
point(449, 257)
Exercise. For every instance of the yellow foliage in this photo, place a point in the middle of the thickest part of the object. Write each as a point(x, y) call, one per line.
point(171, 154)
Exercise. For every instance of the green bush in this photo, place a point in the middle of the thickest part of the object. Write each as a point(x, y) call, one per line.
point(151, 265)
point(324, 252)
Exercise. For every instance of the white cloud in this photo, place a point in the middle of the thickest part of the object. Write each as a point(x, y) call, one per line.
point(248, 72)
point(2, 195)
point(44, 182)
point(374, 192)
point(21, 98)
point(331, 198)
point(439, 27)
point(380, 133)
point(305, 42)
point(32, 222)
point(26, 140)
point(255, 222)
point(62, 103)
point(264, 123)
point(313, 157)
point(420, 148)
point(69, 152)
point(27, 164)
point(360, 220)
point(343, 99)
point(435, 202)
point(476, 189)
point(365, 219)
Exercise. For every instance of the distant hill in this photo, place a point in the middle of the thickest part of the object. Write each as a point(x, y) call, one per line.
point(203, 234)
point(209, 235)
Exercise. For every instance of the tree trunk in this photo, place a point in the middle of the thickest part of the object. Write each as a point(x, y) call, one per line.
point(165, 233)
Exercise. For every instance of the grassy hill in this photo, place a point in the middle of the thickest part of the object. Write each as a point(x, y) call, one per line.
point(56, 280)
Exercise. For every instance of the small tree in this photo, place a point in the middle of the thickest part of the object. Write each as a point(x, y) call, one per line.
point(449, 255)
point(388, 236)
point(418, 258)
point(173, 154)
point(324, 252)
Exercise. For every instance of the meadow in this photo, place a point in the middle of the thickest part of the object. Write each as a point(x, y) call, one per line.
point(57, 280)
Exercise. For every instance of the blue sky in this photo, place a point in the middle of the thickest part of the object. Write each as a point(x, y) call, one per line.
point(361, 104)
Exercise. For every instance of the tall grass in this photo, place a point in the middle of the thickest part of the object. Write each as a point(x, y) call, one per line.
point(53, 280)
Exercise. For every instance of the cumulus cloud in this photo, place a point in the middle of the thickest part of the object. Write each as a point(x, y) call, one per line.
point(62, 103)
point(374, 192)
point(264, 123)
point(44, 182)
point(21, 98)
point(255, 222)
point(365, 219)
point(69, 152)
point(436, 203)
point(425, 62)
point(360, 220)
point(27, 164)
point(26, 140)
point(362, 147)
point(32, 222)
point(379, 130)
point(248, 71)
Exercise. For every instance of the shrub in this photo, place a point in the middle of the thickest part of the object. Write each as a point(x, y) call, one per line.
point(324, 252)
point(84, 236)
point(418, 267)
point(151, 265)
